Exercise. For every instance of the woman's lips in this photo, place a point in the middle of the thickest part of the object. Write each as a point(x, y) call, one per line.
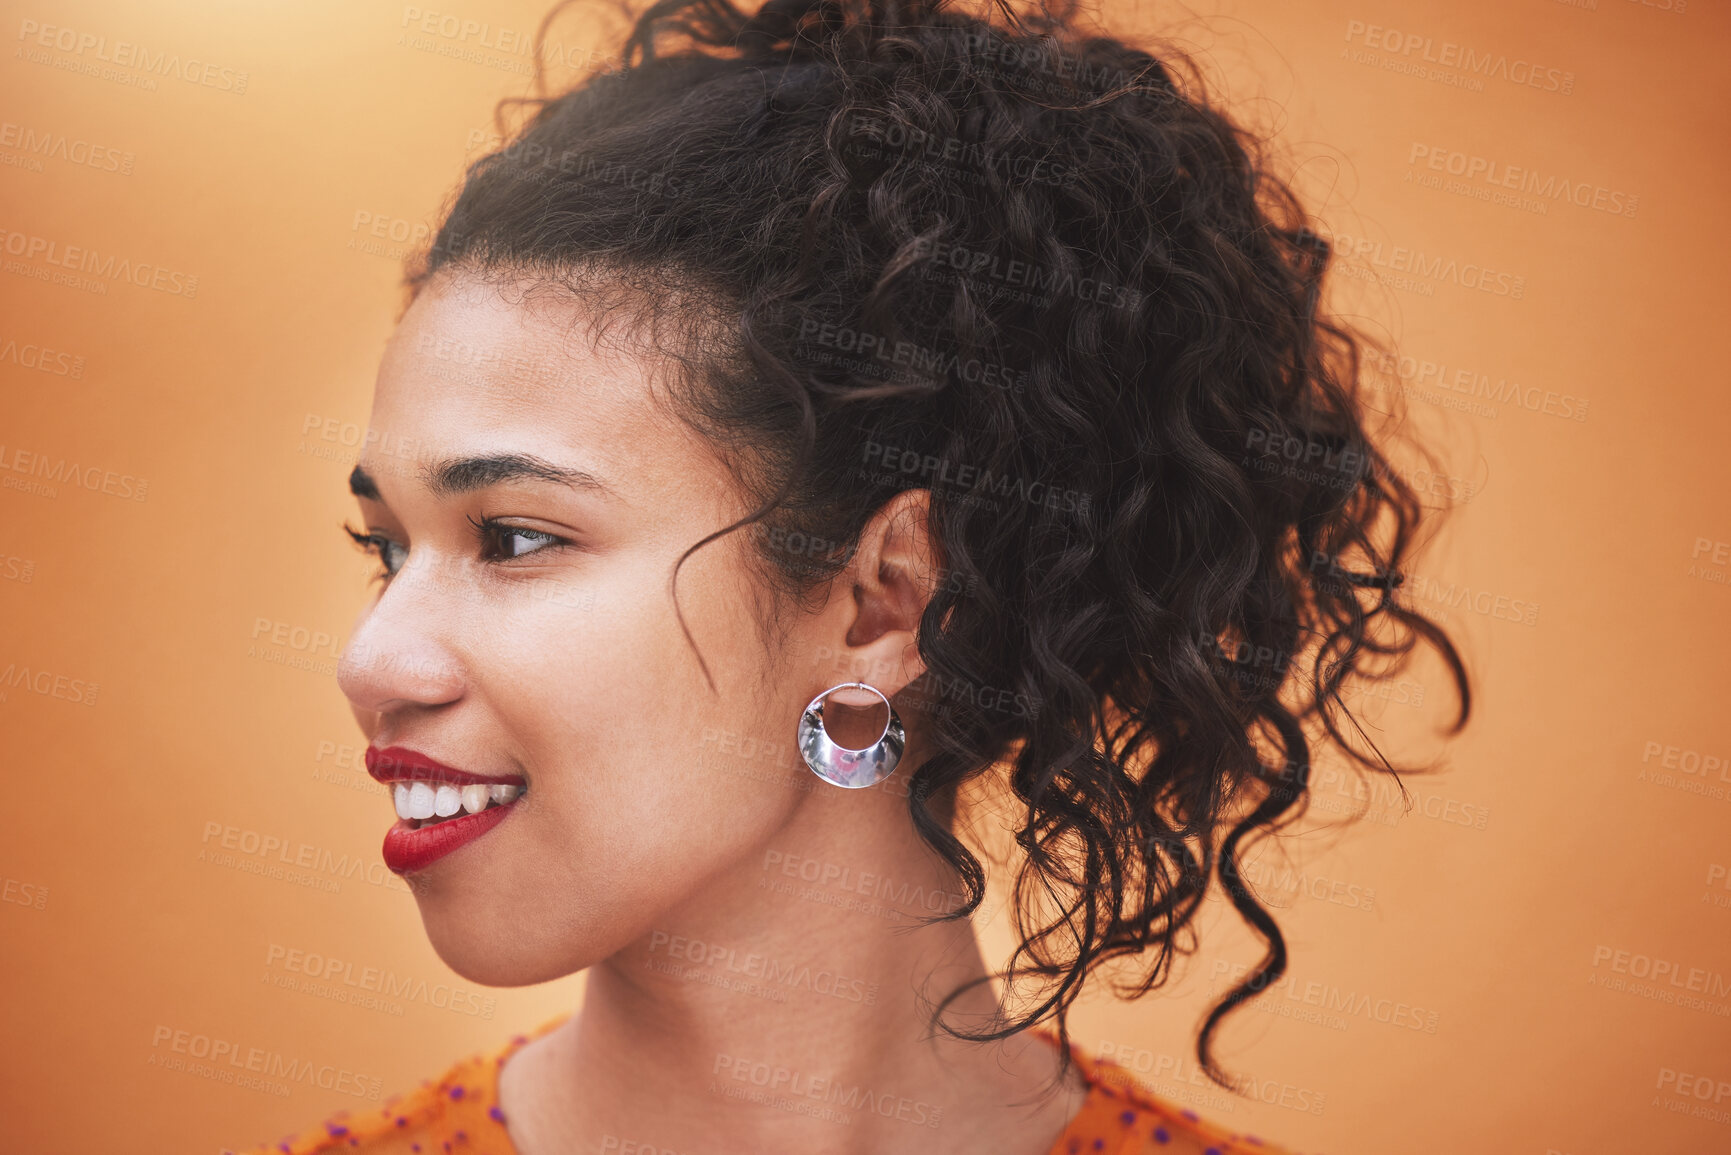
point(410, 847)
point(400, 764)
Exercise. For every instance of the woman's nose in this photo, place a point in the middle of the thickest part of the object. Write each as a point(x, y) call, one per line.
point(399, 654)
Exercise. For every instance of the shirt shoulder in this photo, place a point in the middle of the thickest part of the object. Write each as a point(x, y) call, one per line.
point(459, 1111)
point(1121, 1116)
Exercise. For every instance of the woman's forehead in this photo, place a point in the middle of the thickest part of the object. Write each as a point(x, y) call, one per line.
point(469, 351)
point(475, 374)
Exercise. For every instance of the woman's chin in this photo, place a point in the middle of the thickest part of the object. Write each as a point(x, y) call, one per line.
point(490, 950)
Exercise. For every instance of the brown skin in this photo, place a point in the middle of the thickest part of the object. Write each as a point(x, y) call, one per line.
point(565, 663)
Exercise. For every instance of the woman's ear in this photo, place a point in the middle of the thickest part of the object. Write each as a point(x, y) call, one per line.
point(888, 584)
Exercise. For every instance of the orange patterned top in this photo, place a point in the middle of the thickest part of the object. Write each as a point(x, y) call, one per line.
point(459, 1115)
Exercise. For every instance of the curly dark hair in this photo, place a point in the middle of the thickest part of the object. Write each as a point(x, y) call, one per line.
point(1022, 267)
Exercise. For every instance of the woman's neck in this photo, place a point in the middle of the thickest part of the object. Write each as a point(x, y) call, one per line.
point(787, 1007)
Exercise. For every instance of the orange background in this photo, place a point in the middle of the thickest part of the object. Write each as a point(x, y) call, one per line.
point(1584, 813)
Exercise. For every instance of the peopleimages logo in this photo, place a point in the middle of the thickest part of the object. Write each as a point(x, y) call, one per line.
point(1447, 54)
point(380, 981)
point(1330, 998)
point(773, 973)
point(48, 684)
point(1392, 259)
point(58, 471)
point(168, 1044)
point(1022, 280)
point(1496, 174)
point(1696, 980)
point(896, 463)
point(933, 365)
point(1434, 382)
point(59, 146)
point(796, 1091)
point(81, 259)
point(41, 358)
point(125, 54)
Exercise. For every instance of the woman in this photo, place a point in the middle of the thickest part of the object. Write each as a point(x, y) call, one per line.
point(838, 430)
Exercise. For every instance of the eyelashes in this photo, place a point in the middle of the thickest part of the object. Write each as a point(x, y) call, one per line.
point(494, 534)
point(496, 541)
point(391, 555)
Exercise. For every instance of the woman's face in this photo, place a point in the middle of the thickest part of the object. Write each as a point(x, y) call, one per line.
point(544, 646)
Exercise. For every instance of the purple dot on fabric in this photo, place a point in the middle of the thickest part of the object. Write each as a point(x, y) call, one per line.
point(1099, 1144)
point(1162, 1135)
point(495, 1114)
point(1212, 1151)
point(354, 1141)
point(456, 1092)
point(1127, 1118)
point(1075, 1146)
point(461, 1137)
point(402, 1120)
point(1190, 1115)
point(337, 1130)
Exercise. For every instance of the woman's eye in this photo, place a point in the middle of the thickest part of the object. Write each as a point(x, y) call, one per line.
point(500, 541)
point(391, 554)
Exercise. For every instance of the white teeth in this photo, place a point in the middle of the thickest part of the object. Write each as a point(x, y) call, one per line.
point(426, 803)
point(420, 800)
point(446, 801)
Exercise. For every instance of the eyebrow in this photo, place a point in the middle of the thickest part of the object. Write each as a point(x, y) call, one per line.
point(361, 484)
point(467, 474)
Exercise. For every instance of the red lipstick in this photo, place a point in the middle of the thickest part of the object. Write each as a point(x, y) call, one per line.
point(410, 846)
point(400, 764)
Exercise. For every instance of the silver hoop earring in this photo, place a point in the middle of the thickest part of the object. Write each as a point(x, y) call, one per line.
point(840, 765)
